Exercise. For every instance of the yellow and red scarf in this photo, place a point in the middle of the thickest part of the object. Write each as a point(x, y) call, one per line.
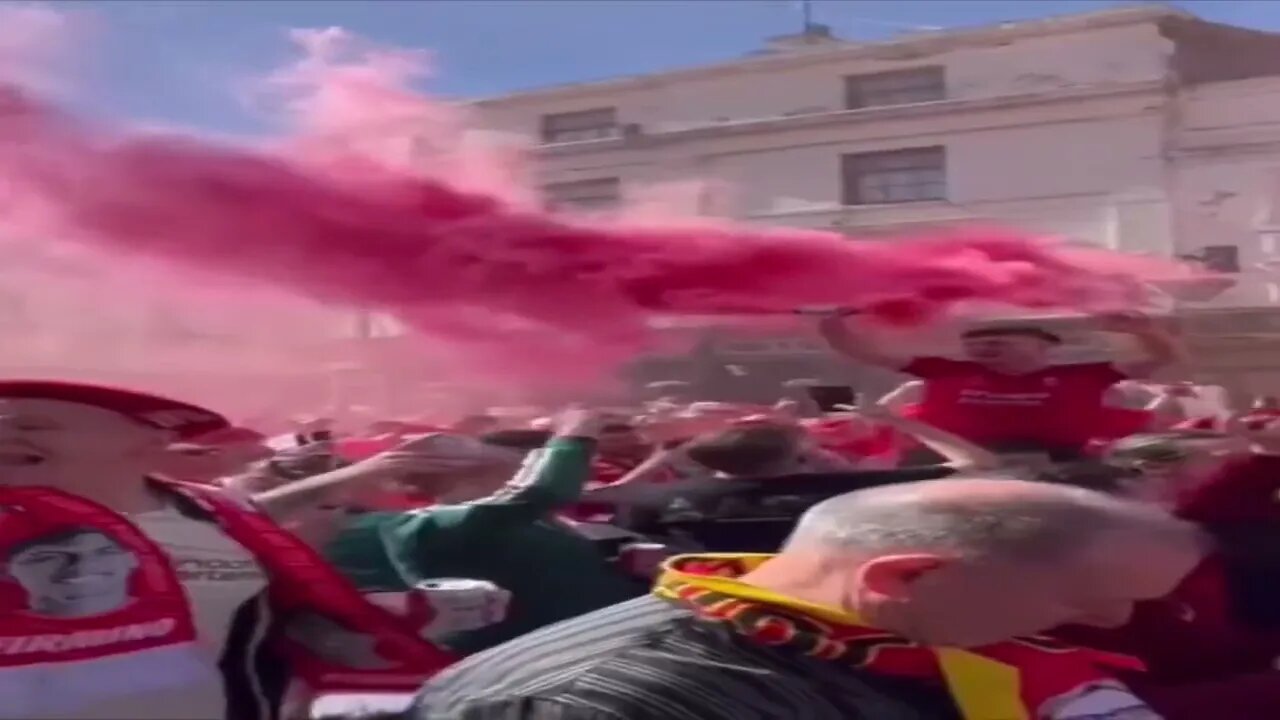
point(1024, 679)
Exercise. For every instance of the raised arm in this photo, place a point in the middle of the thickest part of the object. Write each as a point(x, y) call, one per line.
point(958, 452)
point(302, 479)
point(550, 478)
point(1160, 348)
point(906, 394)
point(1167, 410)
point(855, 344)
point(656, 467)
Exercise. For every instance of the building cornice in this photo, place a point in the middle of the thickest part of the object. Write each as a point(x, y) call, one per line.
point(844, 117)
point(908, 47)
point(1220, 147)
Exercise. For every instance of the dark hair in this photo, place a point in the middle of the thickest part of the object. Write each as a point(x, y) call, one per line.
point(56, 537)
point(744, 451)
point(1006, 331)
point(526, 440)
point(302, 462)
point(1168, 447)
point(1090, 474)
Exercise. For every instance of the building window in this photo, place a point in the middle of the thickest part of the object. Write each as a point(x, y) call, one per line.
point(895, 176)
point(596, 124)
point(1216, 258)
point(901, 87)
point(595, 194)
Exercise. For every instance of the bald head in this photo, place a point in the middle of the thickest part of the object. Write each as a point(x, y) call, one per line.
point(967, 562)
point(975, 518)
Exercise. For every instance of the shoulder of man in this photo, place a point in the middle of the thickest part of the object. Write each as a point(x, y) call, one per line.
point(644, 660)
point(610, 661)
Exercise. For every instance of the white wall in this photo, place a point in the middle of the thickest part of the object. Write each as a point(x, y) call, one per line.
point(1048, 160)
point(764, 88)
point(1070, 169)
point(1073, 134)
point(1228, 183)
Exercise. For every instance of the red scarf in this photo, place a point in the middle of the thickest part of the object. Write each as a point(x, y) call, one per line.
point(91, 598)
point(94, 598)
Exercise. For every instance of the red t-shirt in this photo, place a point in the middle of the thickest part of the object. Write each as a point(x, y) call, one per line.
point(1202, 663)
point(1115, 423)
point(1059, 405)
point(1245, 490)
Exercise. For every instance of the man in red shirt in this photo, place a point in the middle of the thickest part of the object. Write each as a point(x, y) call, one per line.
point(1211, 647)
point(1006, 394)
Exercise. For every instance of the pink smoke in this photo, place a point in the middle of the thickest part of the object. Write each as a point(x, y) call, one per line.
point(345, 98)
point(37, 42)
point(438, 234)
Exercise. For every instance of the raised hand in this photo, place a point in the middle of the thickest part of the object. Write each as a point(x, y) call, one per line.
point(584, 422)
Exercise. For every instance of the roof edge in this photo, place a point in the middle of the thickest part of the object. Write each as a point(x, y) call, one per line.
point(928, 42)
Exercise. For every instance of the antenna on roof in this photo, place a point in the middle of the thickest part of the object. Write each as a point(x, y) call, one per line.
point(806, 10)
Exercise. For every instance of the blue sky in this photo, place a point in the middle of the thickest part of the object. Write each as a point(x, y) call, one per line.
point(176, 60)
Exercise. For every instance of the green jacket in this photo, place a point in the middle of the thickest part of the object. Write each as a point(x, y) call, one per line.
point(509, 539)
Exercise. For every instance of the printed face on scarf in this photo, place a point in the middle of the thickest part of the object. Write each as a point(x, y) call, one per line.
point(74, 573)
point(52, 442)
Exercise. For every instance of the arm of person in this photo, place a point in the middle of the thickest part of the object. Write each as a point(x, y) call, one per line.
point(959, 453)
point(1159, 347)
point(658, 466)
point(299, 481)
point(906, 394)
point(550, 479)
point(856, 345)
point(1166, 411)
point(286, 502)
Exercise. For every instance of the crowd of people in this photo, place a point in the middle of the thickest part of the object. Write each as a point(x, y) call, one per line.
point(1001, 538)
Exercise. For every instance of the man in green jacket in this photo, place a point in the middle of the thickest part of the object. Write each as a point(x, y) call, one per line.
point(510, 538)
